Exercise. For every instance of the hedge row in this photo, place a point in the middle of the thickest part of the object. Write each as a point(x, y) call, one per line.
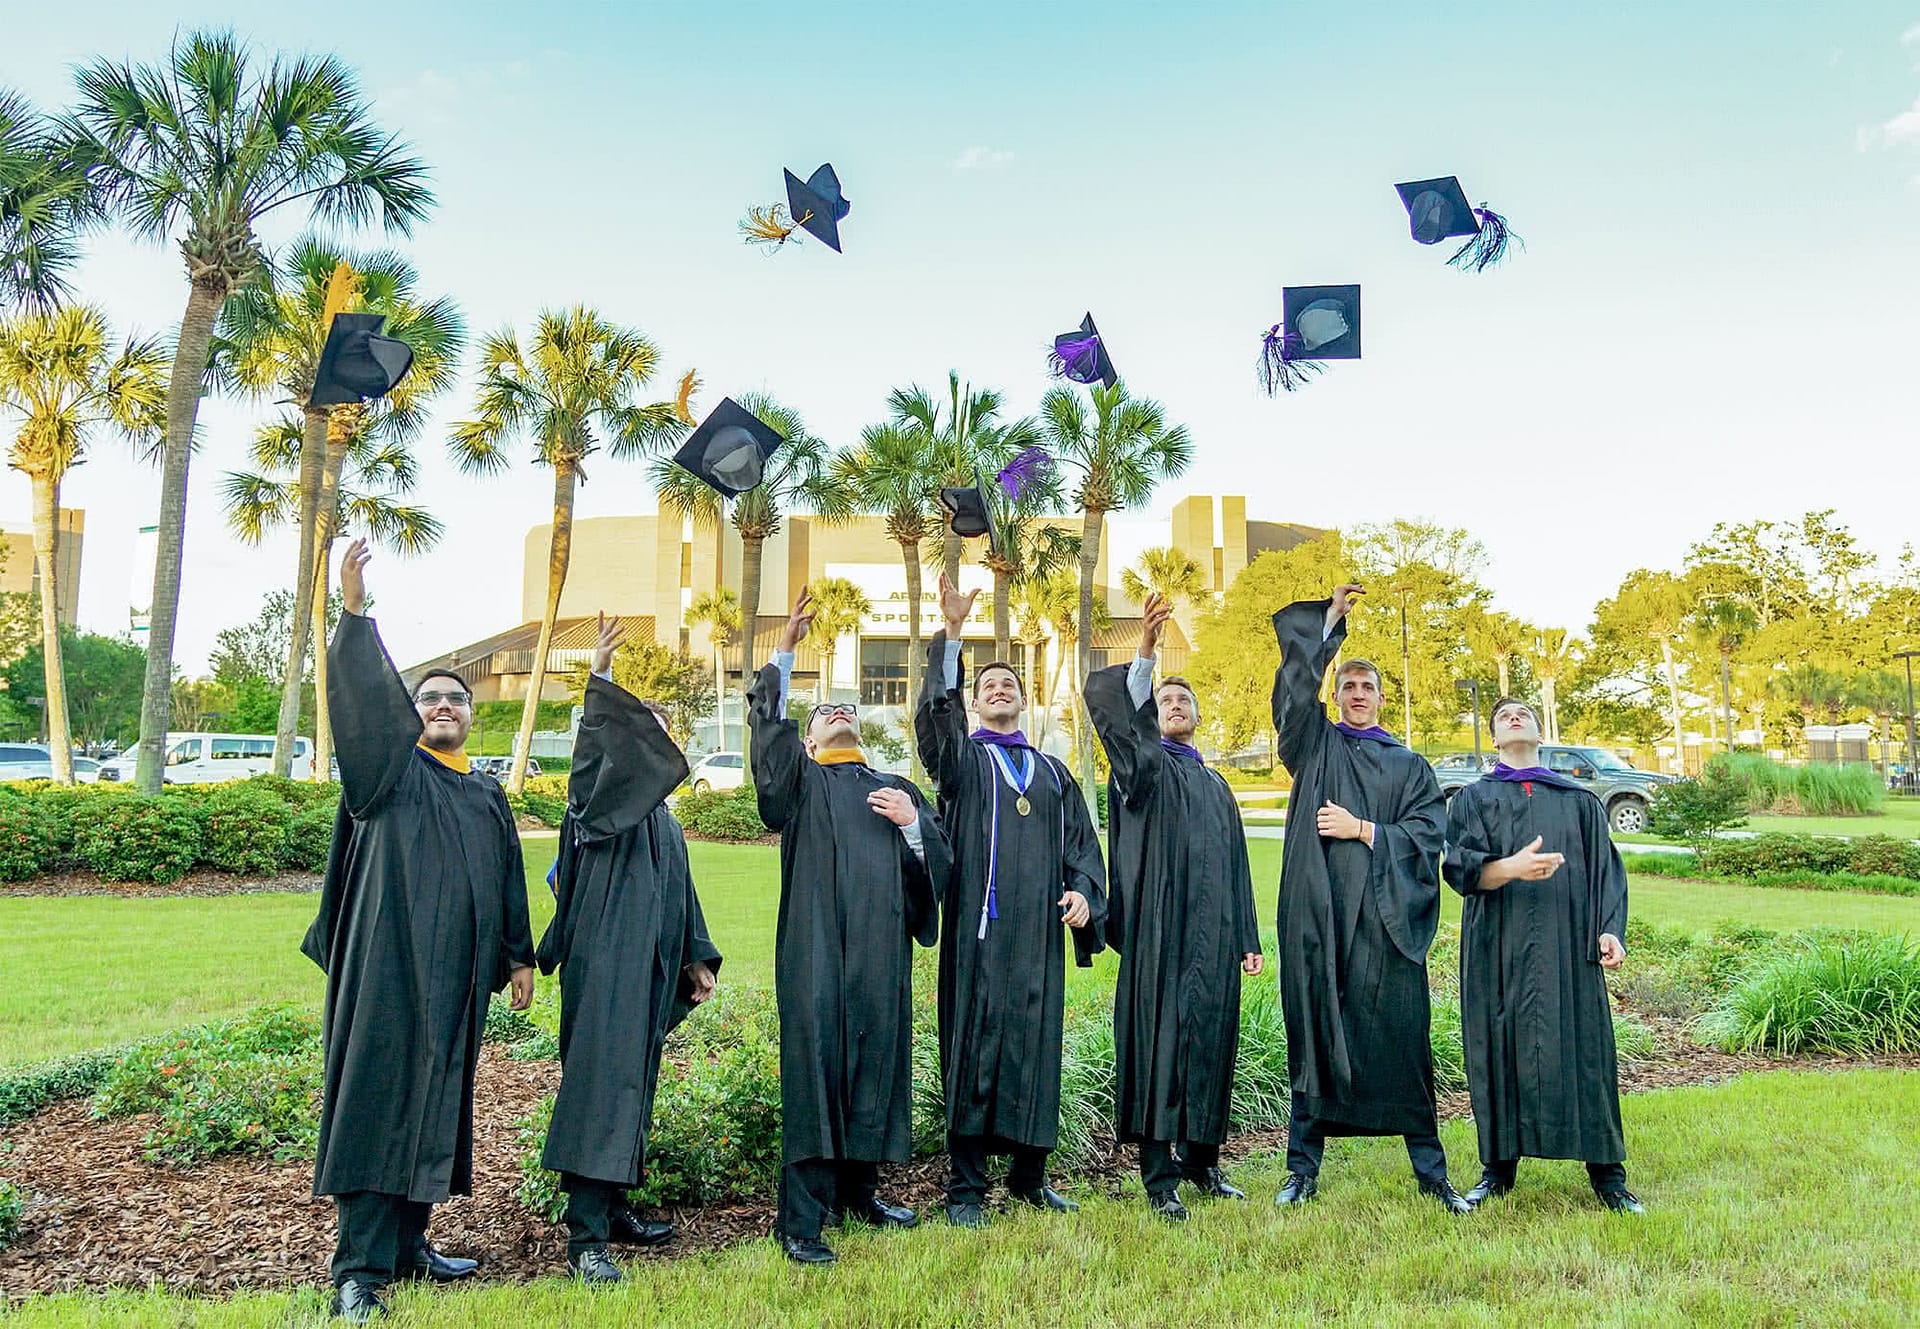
point(255, 827)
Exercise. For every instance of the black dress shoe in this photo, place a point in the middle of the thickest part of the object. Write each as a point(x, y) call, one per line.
point(1489, 1187)
point(878, 1213)
point(1212, 1183)
point(593, 1266)
point(429, 1263)
point(966, 1215)
point(1621, 1201)
point(1298, 1188)
point(1047, 1198)
point(629, 1229)
point(1168, 1206)
point(1450, 1199)
point(357, 1302)
point(807, 1250)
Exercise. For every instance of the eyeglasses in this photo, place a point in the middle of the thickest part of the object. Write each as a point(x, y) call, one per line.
point(451, 698)
point(847, 709)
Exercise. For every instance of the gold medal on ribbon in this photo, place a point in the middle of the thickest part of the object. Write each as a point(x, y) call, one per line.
point(1021, 805)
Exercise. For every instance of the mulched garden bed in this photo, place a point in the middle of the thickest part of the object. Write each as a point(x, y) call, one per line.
point(99, 1216)
point(200, 882)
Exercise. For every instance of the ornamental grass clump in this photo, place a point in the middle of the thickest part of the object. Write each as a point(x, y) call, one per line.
point(1851, 995)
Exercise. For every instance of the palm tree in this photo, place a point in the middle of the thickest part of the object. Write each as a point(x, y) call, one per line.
point(1499, 637)
point(963, 441)
point(211, 144)
point(1120, 453)
point(799, 476)
point(45, 199)
point(570, 393)
point(63, 380)
point(269, 339)
point(1724, 624)
point(1165, 572)
point(892, 473)
point(1552, 655)
point(839, 607)
point(1055, 601)
point(720, 611)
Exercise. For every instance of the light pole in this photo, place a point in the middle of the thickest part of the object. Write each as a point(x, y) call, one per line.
point(1406, 675)
point(1473, 685)
point(1908, 777)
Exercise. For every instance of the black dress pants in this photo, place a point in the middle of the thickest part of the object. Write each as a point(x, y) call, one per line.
point(591, 1206)
point(1162, 1169)
point(1604, 1176)
point(810, 1187)
point(1307, 1144)
point(376, 1233)
point(967, 1181)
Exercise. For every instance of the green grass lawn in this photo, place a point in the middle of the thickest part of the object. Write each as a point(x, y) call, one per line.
point(1775, 1199)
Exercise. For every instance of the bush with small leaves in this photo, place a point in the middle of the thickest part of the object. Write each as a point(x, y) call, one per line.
point(27, 838)
point(246, 828)
point(138, 839)
point(731, 814)
point(12, 1203)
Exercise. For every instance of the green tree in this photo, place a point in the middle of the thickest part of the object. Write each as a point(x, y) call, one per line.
point(653, 673)
point(63, 382)
point(1165, 572)
point(1553, 654)
point(1119, 451)
point(1499, 639)
point(1722, 625)
point(247, 659)
point(839, 607)
point(207, 147)
point(104, 681)
point(1643, 621)
point(269, 338)
point(45, 201)
point(967, 441)
point(719, 611)
point(570, 392)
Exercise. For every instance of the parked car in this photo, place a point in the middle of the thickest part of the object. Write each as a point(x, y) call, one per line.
point(1463, 761)
point(86, 770)
point(502, 767)
point(1624, 790)
point(721, 770)
point(214, 759)
point(34, 761)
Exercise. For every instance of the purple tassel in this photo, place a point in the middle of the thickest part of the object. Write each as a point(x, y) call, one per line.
point(1489, 246)
point(1022, 471)
point(1075, 358)
point(1282, 367)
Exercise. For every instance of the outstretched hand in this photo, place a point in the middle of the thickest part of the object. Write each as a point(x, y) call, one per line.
point(611, 635)
point(1343, 597)
point(353, 576)
point(955, 608)
point(1153, 619)
point(799, 622)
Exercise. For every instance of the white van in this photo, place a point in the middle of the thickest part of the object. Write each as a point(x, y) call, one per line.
point(214, 758)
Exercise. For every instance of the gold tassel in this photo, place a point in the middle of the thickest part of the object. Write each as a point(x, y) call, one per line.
point(769, 225)
point(683, 403)
point(343, 289)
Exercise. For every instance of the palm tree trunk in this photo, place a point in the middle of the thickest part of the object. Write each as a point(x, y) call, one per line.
point(313, 448)
point(1673, 694)
point(1726, 697)
point(1506, 676)
point(751, 550)
point(1002, 615)
point(950, 555)
point(1091, 530)
point(46, 536)
point(1033, 686)
point(910, 557)
point(326, 525)
point(207, 294)
point(559, 550)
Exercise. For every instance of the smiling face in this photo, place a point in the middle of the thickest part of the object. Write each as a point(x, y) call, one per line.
point(445, 708)
point(834, 725)
point(1179, 711)
point(1356, 691)
point(1514, 723)
point(996, 696)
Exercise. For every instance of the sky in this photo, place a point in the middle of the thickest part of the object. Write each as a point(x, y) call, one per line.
point(1715, 317)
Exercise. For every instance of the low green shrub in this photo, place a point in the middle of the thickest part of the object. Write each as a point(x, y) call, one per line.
point(128, 838)
point(517, 1032)
point(250, 1084)
point(309, 838)
point(1816, 790)
point(1262, 1090)
point(1852, 995)
point(730, 814)
point(12, 1202)
point(1087, 1087)
point(296, 794)
point(1632, 1040)
point(1695, 810)
point(25, 1091)
point(246, 828)
point(28, 847)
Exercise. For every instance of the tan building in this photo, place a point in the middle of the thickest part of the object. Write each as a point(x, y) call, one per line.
point(20, 570)
point(650, 570)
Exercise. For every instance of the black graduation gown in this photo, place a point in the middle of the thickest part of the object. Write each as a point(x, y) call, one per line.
point(626, 925)
point(853, 900)
point(1002, 998)
point(1180, 912)
point(1355, 922)
point(423, 914)
point(1533, 998)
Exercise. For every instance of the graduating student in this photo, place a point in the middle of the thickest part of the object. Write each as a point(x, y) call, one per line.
point(1027, 867)
point(1359, 902)
point(1180, 912)
point(863, 864)
point(631, 945)
point(423, 914)
point(1545, 908)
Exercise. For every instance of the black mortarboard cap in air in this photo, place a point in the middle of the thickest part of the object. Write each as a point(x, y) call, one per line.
point(817, 205)
point(1438, 210)
point(729, 450)
point(357, 363)
point(966, 509)
point(1326, 319)
point(1082, 356)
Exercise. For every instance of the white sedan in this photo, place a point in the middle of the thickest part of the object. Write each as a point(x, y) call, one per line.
point(721, 770)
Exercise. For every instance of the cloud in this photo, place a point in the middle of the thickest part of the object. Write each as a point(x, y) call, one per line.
point(1903, 128)
point(981, 159)
point(1911, 37)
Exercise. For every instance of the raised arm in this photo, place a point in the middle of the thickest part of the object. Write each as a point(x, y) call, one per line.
point(375, 724)
point(779, 757)
point(1120, 700)
point(624, 762)
point(1310, 633)
point(940, 718)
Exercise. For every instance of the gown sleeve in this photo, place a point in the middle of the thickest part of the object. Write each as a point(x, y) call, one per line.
point(1404, 873)
point(940, 721)
point(779, 759)
point(1470, 844)
point(1299, 719)
point(1086, 870)
point(555, 942)
point(624, 763)
point(1130, 734)
point(516, 931)
point(1609, 878)
point(375, 725)
point(696, 947)
point(924, 875)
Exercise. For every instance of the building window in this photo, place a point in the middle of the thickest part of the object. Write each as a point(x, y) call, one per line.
point(883, 672)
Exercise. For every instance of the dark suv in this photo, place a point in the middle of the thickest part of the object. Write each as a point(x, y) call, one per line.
point(1623, 790)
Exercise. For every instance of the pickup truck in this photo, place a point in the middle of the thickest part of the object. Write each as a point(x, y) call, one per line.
point(1622, 789)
